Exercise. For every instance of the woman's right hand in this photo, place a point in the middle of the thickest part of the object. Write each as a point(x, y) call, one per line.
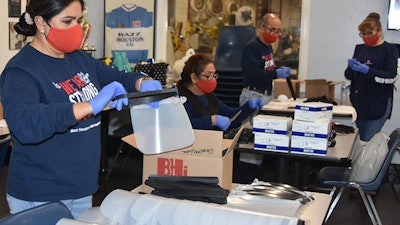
point(222, 122)
point(107, 94)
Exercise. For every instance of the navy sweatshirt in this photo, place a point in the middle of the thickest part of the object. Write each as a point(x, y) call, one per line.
point(258, 65)
point(370, 93)
point(54, 156)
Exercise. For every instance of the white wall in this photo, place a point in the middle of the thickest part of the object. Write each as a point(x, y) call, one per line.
point(329, 33)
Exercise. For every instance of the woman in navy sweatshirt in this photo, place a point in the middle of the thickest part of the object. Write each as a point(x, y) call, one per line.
point(199, 80)
point(52, 95)
point(373, 72)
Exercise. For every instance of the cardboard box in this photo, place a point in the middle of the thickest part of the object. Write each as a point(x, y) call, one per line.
point(313, 111)
point(320, 87)
point(272, 124)
point(210, 155)
point(271, 142)
point(281, 88)
point(308, 145)
point(319, 129)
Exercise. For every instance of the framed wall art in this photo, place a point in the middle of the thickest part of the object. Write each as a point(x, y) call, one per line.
point(14, 8)
point(129, 28)
point(16, 41)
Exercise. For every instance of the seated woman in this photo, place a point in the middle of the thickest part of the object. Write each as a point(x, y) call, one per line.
point(205, 111)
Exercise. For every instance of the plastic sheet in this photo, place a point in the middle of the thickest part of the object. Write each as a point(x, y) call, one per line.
point(124, 207)
point(162, 129)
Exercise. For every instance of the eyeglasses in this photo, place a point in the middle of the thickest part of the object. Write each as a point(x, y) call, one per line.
point(368, 33)
point(210, 76)
point(273, 30)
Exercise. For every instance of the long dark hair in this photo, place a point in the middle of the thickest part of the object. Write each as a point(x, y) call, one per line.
point(44, 8)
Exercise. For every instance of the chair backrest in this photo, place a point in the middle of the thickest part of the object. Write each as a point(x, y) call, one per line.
point(46, 214)
point(393, 144)
point(231, 42)
point(228, 57)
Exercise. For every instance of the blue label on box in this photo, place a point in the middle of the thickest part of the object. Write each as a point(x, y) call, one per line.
point(272, 147)
point(313, 109)
point(269, 131)
point(309, 151)
point(304, 134)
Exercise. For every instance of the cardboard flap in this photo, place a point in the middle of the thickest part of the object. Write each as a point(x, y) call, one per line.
point(320, 87)
point(207, 143)
point(232, 142)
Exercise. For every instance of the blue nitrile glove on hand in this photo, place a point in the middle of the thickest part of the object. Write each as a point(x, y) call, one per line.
point(357, 66)
point(106, 94)
point(222, 122)
point(283, 72)
point(256, 103)
point(151, 85)
point(351, 63)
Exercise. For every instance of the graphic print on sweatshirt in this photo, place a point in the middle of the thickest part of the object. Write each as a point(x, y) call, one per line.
point(269, 62)
point(79, 88)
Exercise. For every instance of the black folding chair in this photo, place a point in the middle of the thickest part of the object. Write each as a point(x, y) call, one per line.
point(339, 177)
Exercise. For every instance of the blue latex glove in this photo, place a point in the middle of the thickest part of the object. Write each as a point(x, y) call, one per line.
point(256, 103)
point(283, 72)
point(151, 85)
point(360, 67)
point(351, 63)
point(222, 122)
point(106, 94)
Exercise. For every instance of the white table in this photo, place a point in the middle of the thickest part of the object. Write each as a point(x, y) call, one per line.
point(313, 213)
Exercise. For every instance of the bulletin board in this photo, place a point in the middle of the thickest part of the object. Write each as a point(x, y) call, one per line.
point(129, 28)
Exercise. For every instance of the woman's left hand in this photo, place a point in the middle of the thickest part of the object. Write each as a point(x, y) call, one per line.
point(151, 85)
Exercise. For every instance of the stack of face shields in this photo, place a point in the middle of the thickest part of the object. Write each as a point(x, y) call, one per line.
point(268, 197)
point(124, 207)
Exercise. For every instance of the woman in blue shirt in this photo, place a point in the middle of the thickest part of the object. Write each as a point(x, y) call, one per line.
point(199, 80)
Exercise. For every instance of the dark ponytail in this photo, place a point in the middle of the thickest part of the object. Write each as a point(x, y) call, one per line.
point(25, 26)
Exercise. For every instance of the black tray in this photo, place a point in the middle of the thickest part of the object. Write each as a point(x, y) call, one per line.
point(138, 98)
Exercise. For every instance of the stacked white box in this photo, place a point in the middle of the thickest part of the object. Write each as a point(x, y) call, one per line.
point(308, 145)
point(272, 133)
point(313, 111)
point(271, 142)
point(318, 129)
point(311, 128)
point(310, 137)
point(272, 124)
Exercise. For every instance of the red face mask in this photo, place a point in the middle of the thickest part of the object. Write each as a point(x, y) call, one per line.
point(371, 41)
point(65, 40)
point(206, 86)
point(270, 38)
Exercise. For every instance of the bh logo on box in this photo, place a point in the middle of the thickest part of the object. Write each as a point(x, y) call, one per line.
point(171, 167)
